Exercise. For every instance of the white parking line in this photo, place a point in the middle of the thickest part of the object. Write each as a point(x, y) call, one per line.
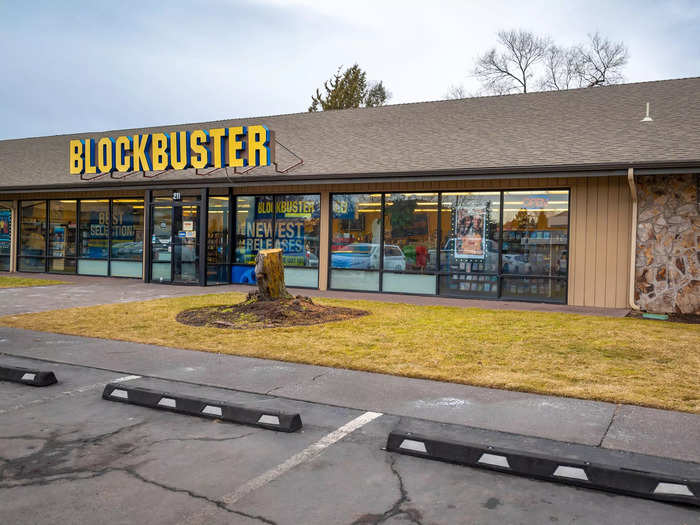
point(305, 455)
point(78, 390)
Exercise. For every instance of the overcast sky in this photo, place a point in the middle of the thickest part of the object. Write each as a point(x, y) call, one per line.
point(69, 66)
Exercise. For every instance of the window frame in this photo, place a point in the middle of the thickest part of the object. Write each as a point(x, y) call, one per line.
point(77, 257)
point(439, 271)
point(9, 205)
point(234, 229)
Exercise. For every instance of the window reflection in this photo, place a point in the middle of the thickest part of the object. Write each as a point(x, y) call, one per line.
point(410, 232)
point(62, 235)
point(217, 240)
point(297, 222)
point(355, 241)
point(253, 233)
point(5, 235)
point(32, 236)
point(127, 229)
point(94, 225)
point(356, 231)
point(535, 239)
point(470, 226)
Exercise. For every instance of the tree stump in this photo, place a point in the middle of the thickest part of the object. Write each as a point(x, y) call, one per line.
point(269, 272)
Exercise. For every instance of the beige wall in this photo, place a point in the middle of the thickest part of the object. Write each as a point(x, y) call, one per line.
point(600, 227)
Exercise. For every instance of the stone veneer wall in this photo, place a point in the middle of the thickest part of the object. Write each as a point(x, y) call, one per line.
point(668, 244)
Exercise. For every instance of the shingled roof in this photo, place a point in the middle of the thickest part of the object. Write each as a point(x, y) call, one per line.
point(579, 127)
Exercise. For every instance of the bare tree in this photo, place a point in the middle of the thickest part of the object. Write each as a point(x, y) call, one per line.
point(524, 60)
point(455, 92)
point(513, 66)
point(562, 68)
point(601, 61)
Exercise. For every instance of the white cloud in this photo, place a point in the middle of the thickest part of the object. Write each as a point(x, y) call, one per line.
point(80, 66)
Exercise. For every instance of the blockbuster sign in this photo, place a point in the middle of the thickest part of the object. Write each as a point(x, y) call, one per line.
point(238, 146)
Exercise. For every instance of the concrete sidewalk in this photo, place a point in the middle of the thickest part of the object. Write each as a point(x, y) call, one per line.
point(82, 290)
point(624, 427)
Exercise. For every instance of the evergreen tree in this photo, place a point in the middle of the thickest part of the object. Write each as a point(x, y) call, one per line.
point(349, 89)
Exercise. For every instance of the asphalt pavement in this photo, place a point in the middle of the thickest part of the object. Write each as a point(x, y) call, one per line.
point(68, 456)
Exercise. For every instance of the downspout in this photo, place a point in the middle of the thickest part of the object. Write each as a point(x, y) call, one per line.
point(633, 240)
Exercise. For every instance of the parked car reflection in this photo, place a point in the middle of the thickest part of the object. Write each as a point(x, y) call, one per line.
point(365, 256)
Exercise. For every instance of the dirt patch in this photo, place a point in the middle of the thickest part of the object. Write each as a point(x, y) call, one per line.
point(673, 318)
point(254, 314)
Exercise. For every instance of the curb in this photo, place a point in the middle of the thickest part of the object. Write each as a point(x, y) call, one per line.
point(570, 471)
point(197, 406)
point(27, 376)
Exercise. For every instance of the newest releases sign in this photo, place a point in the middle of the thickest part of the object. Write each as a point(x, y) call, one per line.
point(238, 146)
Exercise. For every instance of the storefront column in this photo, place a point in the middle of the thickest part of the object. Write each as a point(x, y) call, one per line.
point(324, 251)
point(14, 239)
point(146, 254)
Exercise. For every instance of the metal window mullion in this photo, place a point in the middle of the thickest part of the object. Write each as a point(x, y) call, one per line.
point(274, 221)
point(203, 236)
point(109, 237)
point(46, 236)
point(147, 227)
point(19, 235)
point(48, 257)
point(230, 235)
point(568, 251)
point(438, 243)
point(500, 246)
point(329, 285)
point(77, 234)
point(172, 241)
point(381, 243)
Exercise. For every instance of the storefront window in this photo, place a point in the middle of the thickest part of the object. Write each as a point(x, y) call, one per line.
point(470, 231)
point(297, 225)
point(62, 235)
point(289, 222)
point(94, 237)
point(32, 236)
point(127, 238)
point(5, 235)
point(355, 241)
point(253, 233)
point(535, 244)
point(217, 240)
point(410, 242)
point(492, 244)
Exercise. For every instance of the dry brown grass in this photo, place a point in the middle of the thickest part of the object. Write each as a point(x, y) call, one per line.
point(652, 363)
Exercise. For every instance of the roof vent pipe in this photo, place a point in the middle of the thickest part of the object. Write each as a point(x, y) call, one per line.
point(647, 118)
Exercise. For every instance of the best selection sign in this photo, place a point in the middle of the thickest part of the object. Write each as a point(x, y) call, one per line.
point(237, 146)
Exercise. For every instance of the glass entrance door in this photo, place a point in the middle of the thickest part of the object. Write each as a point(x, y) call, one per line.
point(186, 244)
point(161, 245)
point(175, 239)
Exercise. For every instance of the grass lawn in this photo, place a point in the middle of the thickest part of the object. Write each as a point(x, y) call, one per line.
point(16, 282)
point(652, 363)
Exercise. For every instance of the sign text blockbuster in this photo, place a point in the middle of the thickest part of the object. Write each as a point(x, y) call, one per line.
point(238, 146)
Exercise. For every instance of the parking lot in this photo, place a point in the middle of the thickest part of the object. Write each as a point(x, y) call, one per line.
point(68, 456)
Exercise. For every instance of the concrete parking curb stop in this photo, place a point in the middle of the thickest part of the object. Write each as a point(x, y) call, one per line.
point(208, 408)
point(635, 480)
point(27, 376)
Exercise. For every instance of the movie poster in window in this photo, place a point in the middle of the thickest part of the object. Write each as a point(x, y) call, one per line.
point(470, 232)
point(5, 228)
